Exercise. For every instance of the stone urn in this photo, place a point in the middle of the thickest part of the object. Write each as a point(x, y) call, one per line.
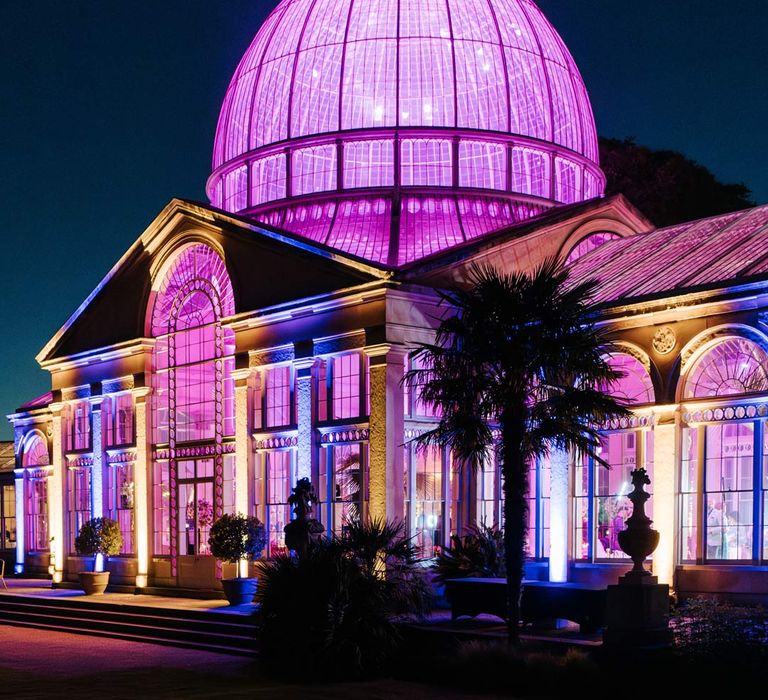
point(639, 540)
point(94, 582)
point(239, 591)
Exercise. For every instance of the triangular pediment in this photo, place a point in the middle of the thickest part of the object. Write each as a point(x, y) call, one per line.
point(268, 268)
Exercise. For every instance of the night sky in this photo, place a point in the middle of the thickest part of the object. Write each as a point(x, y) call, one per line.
point(108, 110)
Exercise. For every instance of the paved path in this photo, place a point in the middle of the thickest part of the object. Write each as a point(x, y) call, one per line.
point(43, 665)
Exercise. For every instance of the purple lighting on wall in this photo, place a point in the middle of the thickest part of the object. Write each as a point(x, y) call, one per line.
point(393, 129)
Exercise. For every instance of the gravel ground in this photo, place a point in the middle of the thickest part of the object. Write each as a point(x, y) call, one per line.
point(44, 664)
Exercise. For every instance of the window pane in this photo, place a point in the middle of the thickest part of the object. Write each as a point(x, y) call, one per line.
point(728, 483)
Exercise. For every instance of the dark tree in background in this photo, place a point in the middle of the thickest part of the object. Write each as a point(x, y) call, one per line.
point(666, 186)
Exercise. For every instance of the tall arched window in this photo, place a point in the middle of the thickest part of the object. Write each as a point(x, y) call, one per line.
point(601, 505)
point(724, 465)
point(193, 400)
point(34, 457)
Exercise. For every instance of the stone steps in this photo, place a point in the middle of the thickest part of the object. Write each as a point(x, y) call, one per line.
point(227, 633)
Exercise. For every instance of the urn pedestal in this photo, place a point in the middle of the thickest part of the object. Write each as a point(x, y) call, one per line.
point(637, 612)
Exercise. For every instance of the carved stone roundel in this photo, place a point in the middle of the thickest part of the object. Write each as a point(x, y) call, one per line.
point(664, 340)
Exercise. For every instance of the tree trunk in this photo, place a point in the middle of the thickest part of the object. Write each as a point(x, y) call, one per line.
point(515, 471)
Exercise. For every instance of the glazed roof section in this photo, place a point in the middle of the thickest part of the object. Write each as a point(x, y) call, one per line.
point(695, 255)
point(7, 456)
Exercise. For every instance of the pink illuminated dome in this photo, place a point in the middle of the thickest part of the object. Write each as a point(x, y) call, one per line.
point(394, 129)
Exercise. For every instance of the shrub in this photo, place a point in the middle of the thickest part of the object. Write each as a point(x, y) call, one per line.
point(709, 631)
point(479, 553)
point(497, 667)
point(332, 613)
point(99, 536)
point(237, 537)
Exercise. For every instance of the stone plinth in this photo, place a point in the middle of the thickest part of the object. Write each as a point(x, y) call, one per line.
point(637, 614)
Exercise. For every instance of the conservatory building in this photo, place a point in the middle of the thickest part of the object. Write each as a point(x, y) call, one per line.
point(367, 155)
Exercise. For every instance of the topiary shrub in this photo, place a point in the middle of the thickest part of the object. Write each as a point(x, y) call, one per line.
point(237, 537)
point(99, 536)
point(332, 613)
point(479, 553)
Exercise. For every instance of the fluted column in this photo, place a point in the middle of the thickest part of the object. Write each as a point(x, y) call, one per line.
point(663, 490)
point(387, 433)
point(21, 519)
point(97, 468)
point(307, 444)
point(558, 516)
point(243, 451)
point(56, 493)
point(141, 481)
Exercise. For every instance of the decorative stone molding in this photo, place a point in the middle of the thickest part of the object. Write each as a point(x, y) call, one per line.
point(112, 386)
point(271, 356)
point(713, 415)
point(344, 435)
point(733, 330)
point(633, 351)
point(80, 461)
point(664, 340)
point(341, 343)
point(197, 451)
point(114, 457)
point(78, 392)
point(631, 422)
point(276, 442)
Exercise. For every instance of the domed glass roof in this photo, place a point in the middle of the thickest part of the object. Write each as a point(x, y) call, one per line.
point(393, 129)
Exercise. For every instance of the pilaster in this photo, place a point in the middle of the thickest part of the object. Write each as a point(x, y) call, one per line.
point(306, 464)
point(387, 434)
point(243, 451)
point(141, 482)
point(558, 515)
point(665, 451)
point(56, 494)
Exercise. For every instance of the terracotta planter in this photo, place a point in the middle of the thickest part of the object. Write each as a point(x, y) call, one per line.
point(94, 582)
point(239, 591)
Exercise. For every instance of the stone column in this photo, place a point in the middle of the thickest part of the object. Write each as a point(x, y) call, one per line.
point(466, 517)
point(663, 489)
point(142, 515)
point(243, 451)
point(97, 468)
point(56, 494)
point(558, 515)
point(21, 519)
point(306, 465)
point(387, 433)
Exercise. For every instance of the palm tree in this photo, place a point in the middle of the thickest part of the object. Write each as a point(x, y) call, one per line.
point(521, 354)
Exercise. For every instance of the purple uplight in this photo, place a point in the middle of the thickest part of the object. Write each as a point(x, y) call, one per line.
point(392, 129)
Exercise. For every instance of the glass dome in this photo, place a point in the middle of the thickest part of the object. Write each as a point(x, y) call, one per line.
point(393, 129)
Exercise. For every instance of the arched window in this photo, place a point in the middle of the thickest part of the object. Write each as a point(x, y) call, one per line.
point(35, 453)
point(728, 458)
point(588, 244)
point(732, 367)
point(601, 504)
point(193, 399)
point(635, 387)
point(34, 456)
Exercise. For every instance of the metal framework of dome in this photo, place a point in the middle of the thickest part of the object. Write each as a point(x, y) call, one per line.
point(394, 129)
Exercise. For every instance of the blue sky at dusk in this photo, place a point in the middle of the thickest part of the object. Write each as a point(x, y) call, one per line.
point(108, 110)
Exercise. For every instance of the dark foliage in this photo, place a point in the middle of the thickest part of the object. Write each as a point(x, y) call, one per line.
point(99, 536)
point(522, 351)
point(236, 537)
point(332, 613)
point(708, 631)
point(666, 186)
point(479, 553)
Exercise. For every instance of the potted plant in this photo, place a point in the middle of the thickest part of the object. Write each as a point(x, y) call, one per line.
point(97, 536)
point(235, 538)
